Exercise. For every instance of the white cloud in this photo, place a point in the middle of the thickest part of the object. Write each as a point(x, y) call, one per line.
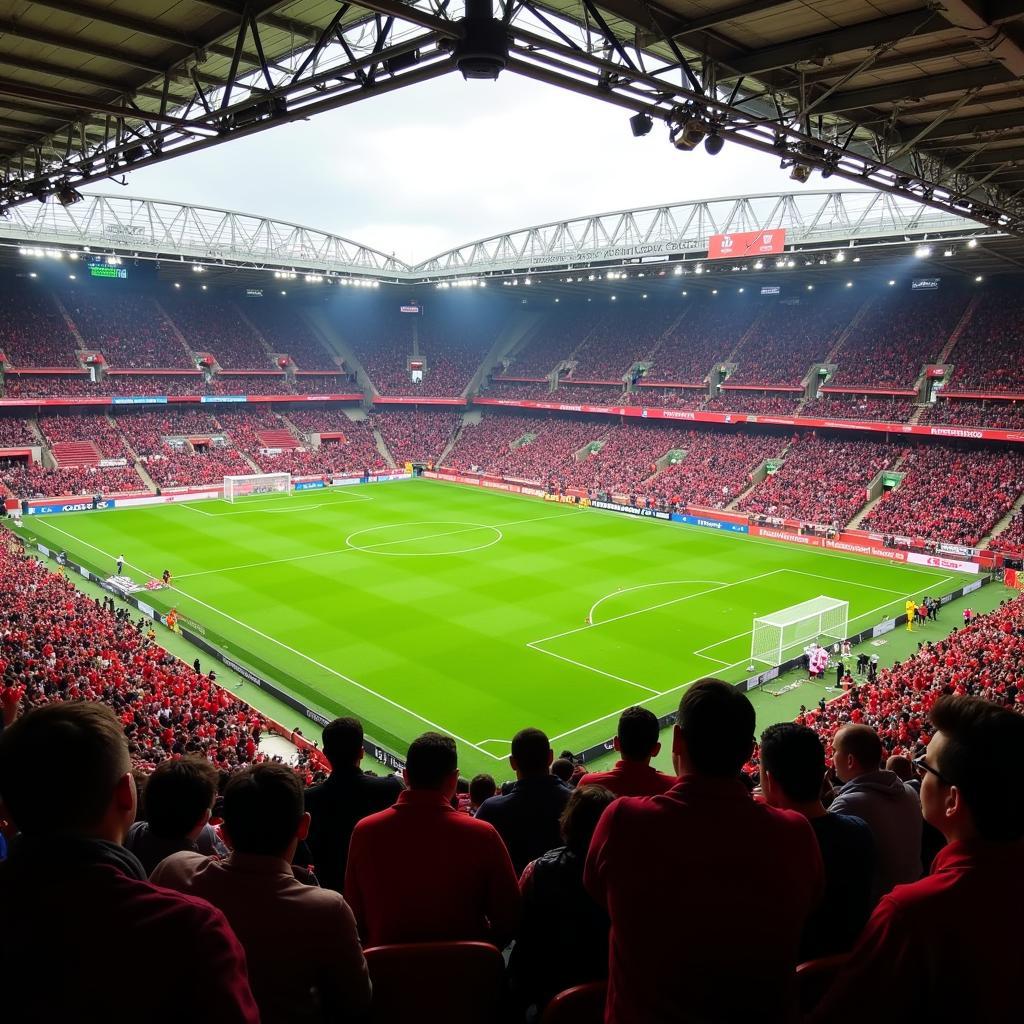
point(445, 162)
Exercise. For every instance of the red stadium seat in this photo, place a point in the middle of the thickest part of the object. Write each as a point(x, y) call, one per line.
point(815, 977)
point(453, 982)
point(582, 1004)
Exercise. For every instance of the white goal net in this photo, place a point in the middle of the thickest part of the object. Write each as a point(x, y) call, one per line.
point(784, 634)
point(257, 483)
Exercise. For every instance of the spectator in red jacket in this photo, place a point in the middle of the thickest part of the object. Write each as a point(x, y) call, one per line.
point(75, 907)
point(423, 872)
point(948, 947)
point(636, 740)
point(674, 873)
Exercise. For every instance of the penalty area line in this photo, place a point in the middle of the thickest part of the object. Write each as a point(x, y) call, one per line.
point(300, 654)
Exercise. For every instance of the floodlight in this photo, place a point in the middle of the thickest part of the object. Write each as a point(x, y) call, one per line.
point(713, 144)
point(688, 135)
point(641, 124)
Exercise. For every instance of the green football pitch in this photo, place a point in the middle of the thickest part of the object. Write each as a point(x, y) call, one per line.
point(426, 605)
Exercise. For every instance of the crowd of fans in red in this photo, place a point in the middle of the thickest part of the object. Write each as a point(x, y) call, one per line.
point(705, 336)
point(285, 330)
point(758, 403)
point(486, 441)
point(897, 336)
point(789, 337)
point(986, 357)
point(557, 442)
point(215, 325)
point(183, 468)
point(716, 469)
point(14, 433)
point(518, 391)
point(821, 481)
point(587, 394)
point(628, 456)
point(559, 333)
point(24, 479)
point(623, 336)
point(32, 331)
point(1011, 540)
point(98, 429)
point(949, 495)
point(127, 327)
point(416, 435)
point(48, 385)
point(684, 399)
point(861, 407)
point(325, 384)
point(976, 413)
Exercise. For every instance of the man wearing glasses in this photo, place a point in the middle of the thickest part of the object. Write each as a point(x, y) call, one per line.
point(949, 947)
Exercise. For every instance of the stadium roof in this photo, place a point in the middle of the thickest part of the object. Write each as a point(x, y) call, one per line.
point(920, 99)
point(876, 228)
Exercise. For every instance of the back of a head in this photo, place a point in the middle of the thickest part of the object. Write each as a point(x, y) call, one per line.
point(178, 794)
point(981, 758)
point(263, 805)
point(59, 766)
point(901, 766)
point(637, 733)
point(343, 741)
point(717, 723)
point(794, 757)
point(431, 760)
point(581, 815)
point(562, 768)
point(862, 743)
point(481, 787)
point(531, 751)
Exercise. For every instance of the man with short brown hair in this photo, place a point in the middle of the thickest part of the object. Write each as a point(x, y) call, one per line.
point(75, 906)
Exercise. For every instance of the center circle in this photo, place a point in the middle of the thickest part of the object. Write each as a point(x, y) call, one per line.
point(424, 539)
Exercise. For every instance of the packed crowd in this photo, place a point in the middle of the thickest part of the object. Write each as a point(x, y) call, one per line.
point(316, 418)
point(822, 480)
point(127, 327)
point(146, 430)
point(715, 471)
point(1011, 540)
point(861, 407)
point(208, 465)
point(898, 336)
point(587, 394)
point(554, 339)
point(949, 495)
point(32, 331)
point(628, 456)
point(755, 402)
point(684, 399)
point(26, 479)
point(483, 443)
point(249, 384)
point(14, 433)
point(285, 330)
point(976, 413)
point(987, 355)
point(216, 326)
point(244, 427)
point(191, 383)
point(789, 337)
point(624, 336)
point(415, 435)
point(97, 429)
point(709, 331)
point(48, 385)
point(518, 391)
point(325, 384)
point(557, 442)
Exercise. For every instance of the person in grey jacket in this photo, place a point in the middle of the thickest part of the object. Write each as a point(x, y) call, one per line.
point(891, 808)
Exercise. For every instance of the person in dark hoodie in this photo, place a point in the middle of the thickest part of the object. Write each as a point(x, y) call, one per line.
point(179, 797)
point(890, 807)
point(76, 910)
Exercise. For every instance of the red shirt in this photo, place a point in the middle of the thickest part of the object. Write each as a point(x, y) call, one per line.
point(945, 948)
point(422, 872)
point(694, 879)
point(630, 778)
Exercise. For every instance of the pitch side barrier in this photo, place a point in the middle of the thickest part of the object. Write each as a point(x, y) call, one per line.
point(211, 643)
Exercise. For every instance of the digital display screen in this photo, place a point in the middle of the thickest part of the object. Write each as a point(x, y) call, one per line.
point(103, 270)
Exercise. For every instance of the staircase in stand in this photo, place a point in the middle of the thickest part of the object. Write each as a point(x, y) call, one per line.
point(832, 357)
point(383, 448)
point(69, 454)
point(71, 325)
point(1004, 522)
point(961, 326)
point(176, 331)
point(277, 439)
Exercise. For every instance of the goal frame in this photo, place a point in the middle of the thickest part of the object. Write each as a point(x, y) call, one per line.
point(231, 492)
point(823, 620)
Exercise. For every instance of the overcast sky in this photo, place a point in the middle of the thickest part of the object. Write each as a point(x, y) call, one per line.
point(435, 165)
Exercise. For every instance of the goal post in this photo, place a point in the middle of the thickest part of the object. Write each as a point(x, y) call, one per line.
point(784, 634)
point(256, 483)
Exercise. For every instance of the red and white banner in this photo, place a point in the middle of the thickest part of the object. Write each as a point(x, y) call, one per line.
point(740, 244)
point(941, 562)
